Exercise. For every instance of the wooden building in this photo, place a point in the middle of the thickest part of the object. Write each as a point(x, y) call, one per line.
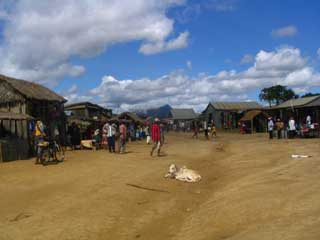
point(130, 117)
point(87, 111)
point(22, 102)
point(14, 136)
point(298, 108)
point(255, 121)
point(87, 116)
point(24, 97)
point(227, 114)
point(182, 118)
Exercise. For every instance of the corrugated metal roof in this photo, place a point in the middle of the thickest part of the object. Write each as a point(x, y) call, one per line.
point(183, 113)
point(299, 102)
point(236, 105)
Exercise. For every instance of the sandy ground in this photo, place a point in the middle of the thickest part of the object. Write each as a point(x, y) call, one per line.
point(251, 189)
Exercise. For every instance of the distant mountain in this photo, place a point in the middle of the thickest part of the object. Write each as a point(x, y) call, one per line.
point(161, 112)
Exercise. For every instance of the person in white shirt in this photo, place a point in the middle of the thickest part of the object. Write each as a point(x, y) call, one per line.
point(292, 128)
point(111, 132)
point(308, 121)
point(270, 127)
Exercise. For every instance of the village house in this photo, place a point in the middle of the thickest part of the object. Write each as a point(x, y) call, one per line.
point(87, 116)
point(298, 108)
point(227, 114)
point(22, 102)
point(254, 121)
point(87, 111)
point(182, 118)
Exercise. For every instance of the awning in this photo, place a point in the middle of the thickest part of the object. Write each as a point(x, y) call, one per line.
point(14, 116)
point(251, 115)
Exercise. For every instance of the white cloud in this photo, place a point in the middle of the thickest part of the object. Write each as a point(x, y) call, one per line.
point(189, 64)
point(283, 66)
point(73, 89)
point(287, 31)
point(163, 46)
point(40, 38)
point(247, 58)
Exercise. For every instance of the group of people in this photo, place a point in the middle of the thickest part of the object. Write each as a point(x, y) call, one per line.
point(124, 133)
point(285, 129)
point(206, 129)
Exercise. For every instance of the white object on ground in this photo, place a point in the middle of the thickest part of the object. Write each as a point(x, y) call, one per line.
point(300, 156)
point(183, 174)
point(87, 144)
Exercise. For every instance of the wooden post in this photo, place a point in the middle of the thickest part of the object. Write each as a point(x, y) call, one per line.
point(252, 126)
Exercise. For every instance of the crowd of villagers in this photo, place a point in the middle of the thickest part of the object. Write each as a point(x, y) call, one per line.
point(291, 128)
point(118, 133)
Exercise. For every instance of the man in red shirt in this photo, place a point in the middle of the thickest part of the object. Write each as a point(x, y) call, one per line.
point(156, 136)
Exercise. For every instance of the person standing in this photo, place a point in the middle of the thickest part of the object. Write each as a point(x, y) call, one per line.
point(270, 128)
point(195, 130)
point(156, 137)
point(147, 132)
point(213, 130)
point(279, 127)
point(308, 121)
point(206, 131)
point(111, 132)
point(292, 128)
point(122, 137)
point(39, 135)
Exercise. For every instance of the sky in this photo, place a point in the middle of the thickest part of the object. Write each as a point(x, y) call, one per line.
point(139, 54)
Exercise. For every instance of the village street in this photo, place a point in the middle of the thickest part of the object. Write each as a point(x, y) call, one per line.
point(251, 189)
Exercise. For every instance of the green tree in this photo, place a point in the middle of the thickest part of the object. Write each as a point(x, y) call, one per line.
point(310, 94)
point(277, 94)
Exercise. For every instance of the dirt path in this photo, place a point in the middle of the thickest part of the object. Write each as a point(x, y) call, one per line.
point(251, 189)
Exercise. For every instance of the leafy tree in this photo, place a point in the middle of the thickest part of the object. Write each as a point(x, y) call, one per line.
point(277, 94)
point(310, 94)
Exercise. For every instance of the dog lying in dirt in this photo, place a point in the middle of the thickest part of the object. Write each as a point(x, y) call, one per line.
point(183, 174)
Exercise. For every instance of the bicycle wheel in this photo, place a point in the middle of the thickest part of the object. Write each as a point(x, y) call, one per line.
point(45, 158)
point(59, 153)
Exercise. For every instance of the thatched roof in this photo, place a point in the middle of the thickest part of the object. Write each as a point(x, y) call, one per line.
point(252, 114)
point(83, 105)
point(14, 116)
point(130, 116)
point(32, 90)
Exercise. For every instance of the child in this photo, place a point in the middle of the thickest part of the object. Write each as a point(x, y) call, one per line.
point(213, 130)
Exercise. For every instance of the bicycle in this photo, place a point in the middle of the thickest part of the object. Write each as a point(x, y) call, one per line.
point(51, 152)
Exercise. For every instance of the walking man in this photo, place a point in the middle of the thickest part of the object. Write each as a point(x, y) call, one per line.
point(123, 135)
point(156, 136)
point(147, 133)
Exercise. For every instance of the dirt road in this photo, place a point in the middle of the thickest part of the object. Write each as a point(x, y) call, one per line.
point(251, 189)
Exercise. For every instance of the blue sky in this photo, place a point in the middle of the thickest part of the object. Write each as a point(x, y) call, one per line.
point(139, 54)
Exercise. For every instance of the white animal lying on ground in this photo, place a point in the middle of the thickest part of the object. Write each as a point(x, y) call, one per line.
point(183, 174)
point(300, 156)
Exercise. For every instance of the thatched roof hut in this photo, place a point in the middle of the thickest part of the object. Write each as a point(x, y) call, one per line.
point(21, 100)
point(129, 116)
point(28, 90)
